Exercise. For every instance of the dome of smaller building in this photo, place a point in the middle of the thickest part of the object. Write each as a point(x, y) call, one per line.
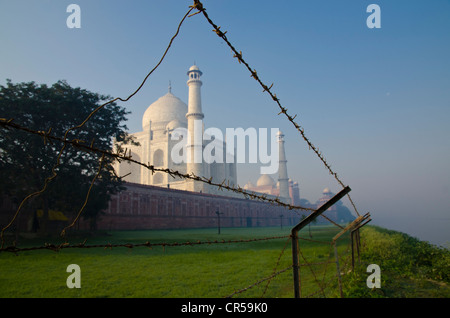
point(326, 191)
point(249, 185)
point(265, 180)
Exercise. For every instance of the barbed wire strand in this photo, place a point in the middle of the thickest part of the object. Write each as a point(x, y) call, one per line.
point(276, 265)
point(121, 155)
point(258, 282)
point(325, 283)
point(63, 232)
point(329, 260)
point(312, 271)
point(67, 245)
point(199, 6)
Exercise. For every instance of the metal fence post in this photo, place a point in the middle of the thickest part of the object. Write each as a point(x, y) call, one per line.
point(352, 235)
point(296, 267)
point(338, 269)
point(357, 237)
point(353, 226)
point(302, 224)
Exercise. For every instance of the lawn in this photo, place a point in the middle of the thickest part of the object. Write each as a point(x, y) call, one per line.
point(218, 268)
point(213, 270)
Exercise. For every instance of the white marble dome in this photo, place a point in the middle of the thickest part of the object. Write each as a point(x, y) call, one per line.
point(166, 109)
point(265, 180)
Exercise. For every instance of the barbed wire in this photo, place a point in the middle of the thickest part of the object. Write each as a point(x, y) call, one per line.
point(63, 232)
point(324, 283)
point(77, 143)
point(258, 282)
point(314, 241)
point(312, 271)
point(66, 245)
point(276, 265)
point(121, 154)
point(199, 6)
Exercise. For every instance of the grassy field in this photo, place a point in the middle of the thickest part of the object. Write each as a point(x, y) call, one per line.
point(409, 268)
point(207, 270)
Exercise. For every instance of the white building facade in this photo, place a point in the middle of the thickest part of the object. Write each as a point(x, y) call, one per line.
point(156, 142)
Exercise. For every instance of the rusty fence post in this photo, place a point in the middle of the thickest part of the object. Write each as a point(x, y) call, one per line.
point(352, 235)
point(355, 234)
point(338, 269)
point(302, 224)
point(355, 225)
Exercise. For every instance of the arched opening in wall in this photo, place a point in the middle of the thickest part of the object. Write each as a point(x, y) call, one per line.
point(158, 178)
point(158, 158)
point(130, 170)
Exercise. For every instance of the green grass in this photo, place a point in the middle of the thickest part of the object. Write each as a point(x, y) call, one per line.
point(409, 268)
point(207, 270)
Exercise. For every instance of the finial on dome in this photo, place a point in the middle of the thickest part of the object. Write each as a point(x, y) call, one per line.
point(170, 87)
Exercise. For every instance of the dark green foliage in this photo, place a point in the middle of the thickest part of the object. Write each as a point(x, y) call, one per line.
point(27, 160)
point(409, 267)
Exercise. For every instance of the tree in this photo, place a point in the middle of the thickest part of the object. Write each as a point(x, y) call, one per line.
point(27, 160)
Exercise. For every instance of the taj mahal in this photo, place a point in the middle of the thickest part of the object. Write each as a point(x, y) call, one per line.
point(156, 143)
point(160, 201)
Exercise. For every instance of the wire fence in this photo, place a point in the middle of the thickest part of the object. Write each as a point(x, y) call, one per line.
point(321, 271)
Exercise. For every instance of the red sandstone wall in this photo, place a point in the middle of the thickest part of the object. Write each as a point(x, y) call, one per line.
point(150, 207)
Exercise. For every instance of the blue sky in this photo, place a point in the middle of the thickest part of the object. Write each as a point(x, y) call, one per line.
point(376, 102)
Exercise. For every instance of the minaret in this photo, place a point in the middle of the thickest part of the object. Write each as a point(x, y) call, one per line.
point(282, 170)
point(195, 129)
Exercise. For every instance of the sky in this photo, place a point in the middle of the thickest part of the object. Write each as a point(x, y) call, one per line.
point(375, 101)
